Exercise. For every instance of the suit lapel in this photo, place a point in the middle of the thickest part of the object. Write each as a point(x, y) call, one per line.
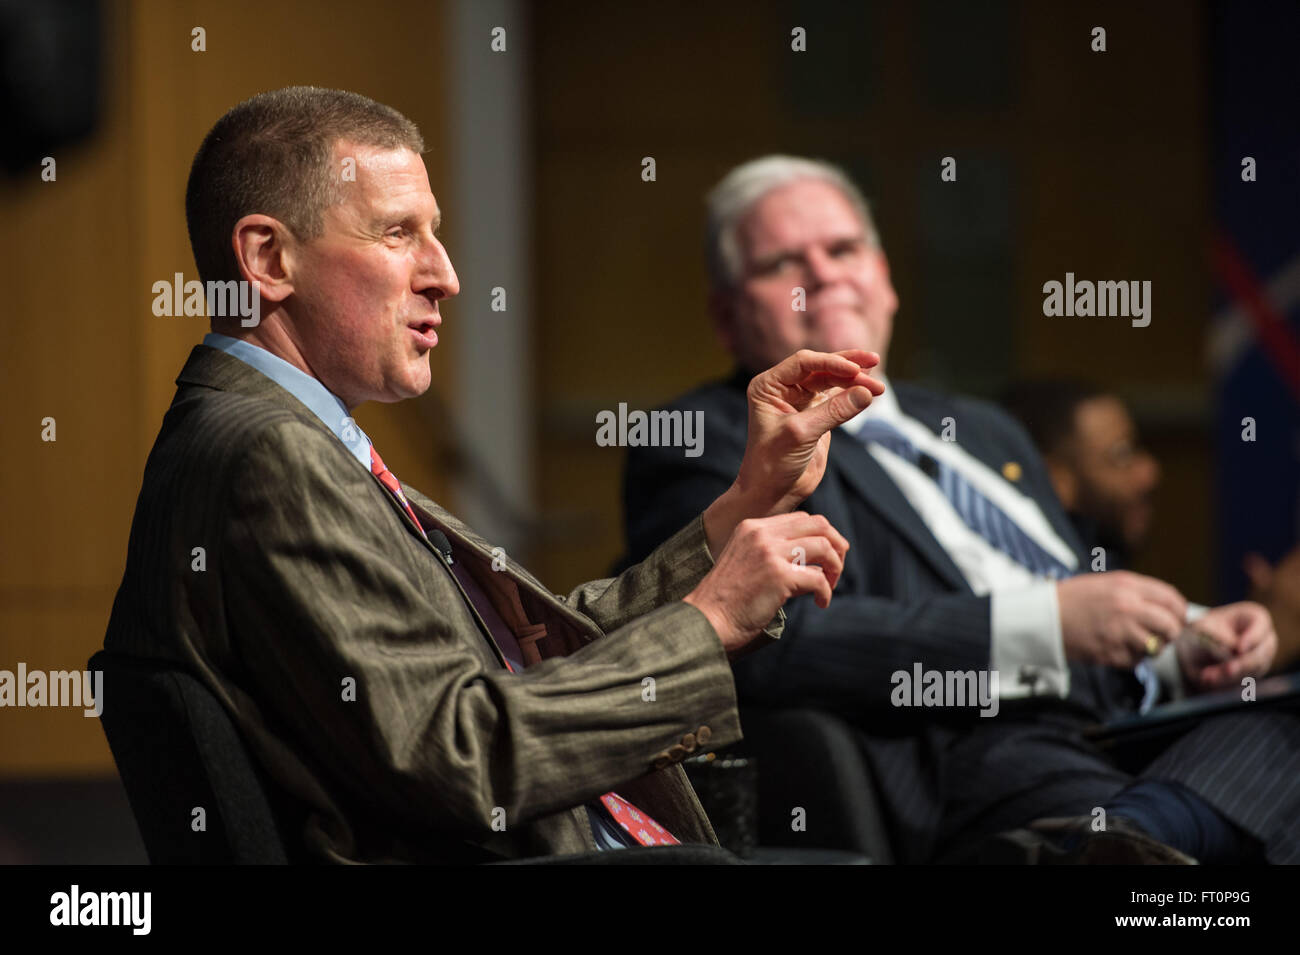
point(668, 791)
point(462, 537)
point(929, 409)
point(878, 491)
point(212, 368)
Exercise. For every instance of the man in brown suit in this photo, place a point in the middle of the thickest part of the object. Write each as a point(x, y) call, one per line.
point(414, 699)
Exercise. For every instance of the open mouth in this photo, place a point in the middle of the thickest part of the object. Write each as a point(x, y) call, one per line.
point(424, 333)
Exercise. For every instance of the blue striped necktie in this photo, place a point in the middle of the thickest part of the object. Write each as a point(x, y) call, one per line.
point(989, 521)
point(978, 513)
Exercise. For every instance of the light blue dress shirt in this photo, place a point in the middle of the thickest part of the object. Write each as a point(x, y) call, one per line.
point(322, 402)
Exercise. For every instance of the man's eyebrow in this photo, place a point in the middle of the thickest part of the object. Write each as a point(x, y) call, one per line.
point(401, 216)
point(786, 251)
point(776, 255)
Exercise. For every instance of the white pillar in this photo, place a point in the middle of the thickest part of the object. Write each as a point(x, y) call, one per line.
point(489, 154)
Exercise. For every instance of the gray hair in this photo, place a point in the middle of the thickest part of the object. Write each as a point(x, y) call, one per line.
point(732, 198)
point(274, 154)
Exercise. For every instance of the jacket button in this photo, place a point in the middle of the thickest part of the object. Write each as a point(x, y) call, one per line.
point(661, 761)
point(702, 735)
point(676, 751)
point(688, 742)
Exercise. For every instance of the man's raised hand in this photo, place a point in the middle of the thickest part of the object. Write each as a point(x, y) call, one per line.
point(792, 409)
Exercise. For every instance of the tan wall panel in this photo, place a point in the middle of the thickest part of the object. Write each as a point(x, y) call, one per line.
point(81, 256)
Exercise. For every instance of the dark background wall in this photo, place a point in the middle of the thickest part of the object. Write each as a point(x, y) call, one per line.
point(1109, 165)
point(1067, 160)
point(80, 256)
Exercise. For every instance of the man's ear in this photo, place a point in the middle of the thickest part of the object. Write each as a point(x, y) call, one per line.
point(263, 249)
point(884, 264)
point(1064, 481)
point(884, 259)
point(722, 310)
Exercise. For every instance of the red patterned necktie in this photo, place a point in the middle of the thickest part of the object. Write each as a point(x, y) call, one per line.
point(389, 480)
point(636, 823)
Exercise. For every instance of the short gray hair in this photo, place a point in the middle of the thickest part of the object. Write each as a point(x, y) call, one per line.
point(274, 154)
point(729, 201)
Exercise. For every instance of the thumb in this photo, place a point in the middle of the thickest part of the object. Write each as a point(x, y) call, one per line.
point(843, 407)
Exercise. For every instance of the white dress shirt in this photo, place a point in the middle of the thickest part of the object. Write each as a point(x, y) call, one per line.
point(1025, 616)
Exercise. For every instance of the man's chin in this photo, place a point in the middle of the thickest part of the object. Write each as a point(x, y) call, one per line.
point(415, 389)
point(416, 383)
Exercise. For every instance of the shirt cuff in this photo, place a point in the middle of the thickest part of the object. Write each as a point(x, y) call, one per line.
point(776, 626)
point(1170, 672)
point(1028, 652)
point(1166, 665)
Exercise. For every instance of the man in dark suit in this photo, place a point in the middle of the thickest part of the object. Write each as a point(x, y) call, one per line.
point(1102, 475)
point(963, 563)
point(412, 695)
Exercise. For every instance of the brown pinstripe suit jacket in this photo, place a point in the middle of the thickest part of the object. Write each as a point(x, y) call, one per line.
point(365, 684)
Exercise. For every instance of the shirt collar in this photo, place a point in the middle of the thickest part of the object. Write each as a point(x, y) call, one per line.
point(322, 402)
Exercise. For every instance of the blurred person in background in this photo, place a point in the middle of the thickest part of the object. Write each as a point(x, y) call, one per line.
point(963, 561)
point(1102, 474)
point(1106, 479)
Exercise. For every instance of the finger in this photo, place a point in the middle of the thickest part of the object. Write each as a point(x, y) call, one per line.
point(826, 384)
point(1254, 662)
point(818, 551)
point(1162, 593)
point(842, 407)
point(1257, 619)
point(1213, 636)
point(1159, 621)
point(1266, 654)
point(805, 364)
point(1140, 643)
point(860, 356)
point(822, 381)
point(1256, 633)
point(808, 580)
point(802, 524)
point(1207, 643)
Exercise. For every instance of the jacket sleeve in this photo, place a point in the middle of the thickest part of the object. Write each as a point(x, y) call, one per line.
point(364, 657)
point(668, 573)
point(839, 658)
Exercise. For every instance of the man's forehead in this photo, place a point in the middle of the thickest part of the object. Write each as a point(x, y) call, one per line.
point(1104, 418)
point(799, 213)
point(384, 178)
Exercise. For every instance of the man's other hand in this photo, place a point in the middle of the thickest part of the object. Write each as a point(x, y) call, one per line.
point(1118, 618)
point(1278, 589)
point(765, 563)
point(1244, 629)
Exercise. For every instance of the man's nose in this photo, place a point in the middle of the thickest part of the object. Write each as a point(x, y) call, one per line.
point(822, 269)
point(437, 272)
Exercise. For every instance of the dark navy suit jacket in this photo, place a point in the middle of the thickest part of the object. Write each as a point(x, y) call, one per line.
point(901, 599)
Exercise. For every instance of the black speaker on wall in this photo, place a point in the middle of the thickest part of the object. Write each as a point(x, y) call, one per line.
point(50, 67)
